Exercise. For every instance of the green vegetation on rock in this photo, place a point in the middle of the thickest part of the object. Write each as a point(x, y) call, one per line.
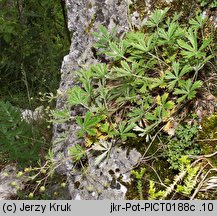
point(147, 89)
point(143, 93)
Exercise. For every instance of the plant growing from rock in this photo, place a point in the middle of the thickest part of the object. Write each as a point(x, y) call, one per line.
point(39, 178)
point(151, 74)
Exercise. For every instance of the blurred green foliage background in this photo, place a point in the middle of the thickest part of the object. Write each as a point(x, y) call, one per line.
point(33, 40)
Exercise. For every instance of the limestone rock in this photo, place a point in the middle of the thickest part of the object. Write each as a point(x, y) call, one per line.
point(104, 181)
point(9, 182)
point(84, 17)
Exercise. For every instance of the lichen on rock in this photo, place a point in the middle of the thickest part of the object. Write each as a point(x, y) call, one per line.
point(85, 17)
point(98, 182)
point(10, 182)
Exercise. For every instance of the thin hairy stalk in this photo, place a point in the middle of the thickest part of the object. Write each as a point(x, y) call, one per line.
point(152, 141)
point(157, 175)
point(201, 182)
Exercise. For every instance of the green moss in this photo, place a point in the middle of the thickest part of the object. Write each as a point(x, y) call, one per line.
point(161, 167)
point(207, 195)
point(208, 136)
point(140, 7)
point(91, 24)
point(138, 143)
point(186, 7)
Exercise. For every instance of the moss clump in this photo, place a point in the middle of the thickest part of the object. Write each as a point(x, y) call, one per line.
point(91, 24)
point(186, 7)
point(208, 136)
point(140, 7)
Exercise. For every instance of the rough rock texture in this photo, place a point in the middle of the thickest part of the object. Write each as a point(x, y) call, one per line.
point(36, 115)
point(105, 181)
point(9, 183)
point(97, 182)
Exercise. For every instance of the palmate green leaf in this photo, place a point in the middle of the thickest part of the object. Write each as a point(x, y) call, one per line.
point(124, 92)
point(185, 45)
point(171, 30)
point(126, 135)
point(144, 44)
point(180, 91)
point(88, 90)
point(117, 50)
point(163, 34)
point(77, 152)
point(99, 71)
point(134, 37)
point(168, 37)
point(164, 98)
point(189, 55)
point(162, 111)
point(124, 130)
point(192, 50)
point(126, 70)
point(85, 77)
point(118, 72)
point(125, 66)
point(91, 131)
point(156, 18)
point(172, 83)
point(105, 127)
point(176, 16)
point(185, 70)
point(157, 82)
point(177, 75)
point(77, 96)
point(103, 38)
point(145, 86)
point(136, 114)
point(103, 34)
point(148, 129)
point(88, 125)
point(84, 74)
point(205, 43)
point(90, 120)
point(158, 112)
point(109, 129)
point(169, 105)
point(60, 116)
point(201, 64)
point(192, 37)
point(103, 146)
point(162, 101)
point(151, 117)
point(187, 89)
point(196, 85)
point(197, 22)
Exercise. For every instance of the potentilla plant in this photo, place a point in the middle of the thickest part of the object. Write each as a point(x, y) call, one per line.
point(151, 74)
